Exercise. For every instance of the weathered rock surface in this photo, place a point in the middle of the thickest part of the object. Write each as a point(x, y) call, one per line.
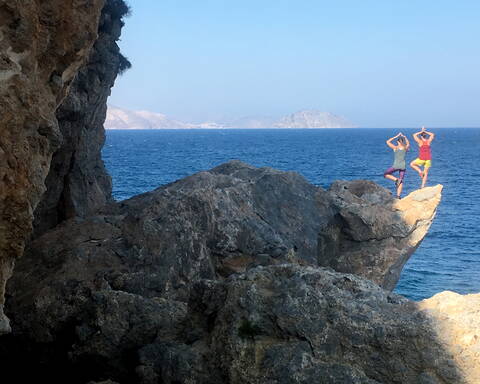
point(291, 324)
point(78, 183)
point(276, 324)
point(456, 319)
point(43, 43)
point(114, 283)
point(373, 235)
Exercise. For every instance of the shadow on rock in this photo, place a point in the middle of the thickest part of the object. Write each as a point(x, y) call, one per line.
point(214, 278)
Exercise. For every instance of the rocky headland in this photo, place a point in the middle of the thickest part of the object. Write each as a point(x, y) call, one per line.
point(233, 275)
point(120, 118)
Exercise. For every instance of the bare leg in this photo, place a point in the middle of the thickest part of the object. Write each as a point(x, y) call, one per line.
point(390, 177)
point(416, 168)
point(425, 176)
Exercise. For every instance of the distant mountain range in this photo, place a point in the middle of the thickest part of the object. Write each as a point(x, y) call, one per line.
point(118, 118)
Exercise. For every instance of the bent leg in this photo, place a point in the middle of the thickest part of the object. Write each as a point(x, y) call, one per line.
point(415, 166)
point(388, 174)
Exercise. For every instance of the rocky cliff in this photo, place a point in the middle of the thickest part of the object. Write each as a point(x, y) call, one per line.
point(78, 184)
point(233, 275)
point(373, 235)
point(42, 46)
point(120, 285)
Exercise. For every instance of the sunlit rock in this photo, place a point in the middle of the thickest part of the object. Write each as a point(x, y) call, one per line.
point(456, 320)
point(372, 234)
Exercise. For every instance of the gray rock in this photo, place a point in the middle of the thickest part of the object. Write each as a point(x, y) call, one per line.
point(280, 324)
point(293, 324)
point(78, 183)
point(117, 284)
point(373, 235)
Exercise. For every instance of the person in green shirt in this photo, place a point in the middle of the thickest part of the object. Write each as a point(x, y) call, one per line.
point(399, 165)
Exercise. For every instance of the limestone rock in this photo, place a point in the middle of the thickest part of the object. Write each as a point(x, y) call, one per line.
point(456, 319)
point(373, 235)
point(43, 43)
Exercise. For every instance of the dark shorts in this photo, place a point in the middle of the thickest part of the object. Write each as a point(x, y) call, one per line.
point(391, 170)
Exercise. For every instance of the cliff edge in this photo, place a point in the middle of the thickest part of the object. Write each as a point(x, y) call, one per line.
point(373, 235)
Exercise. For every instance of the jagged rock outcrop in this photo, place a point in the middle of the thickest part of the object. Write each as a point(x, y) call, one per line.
point(78, 183)
point(373, 235)
point(43, 43)
point(117, 281)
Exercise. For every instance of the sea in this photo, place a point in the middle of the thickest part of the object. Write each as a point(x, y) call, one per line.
point(447, 259)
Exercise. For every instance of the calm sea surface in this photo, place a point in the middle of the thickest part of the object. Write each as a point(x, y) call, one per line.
point(449, 257)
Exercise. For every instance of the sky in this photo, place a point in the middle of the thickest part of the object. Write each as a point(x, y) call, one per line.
point(379, 63)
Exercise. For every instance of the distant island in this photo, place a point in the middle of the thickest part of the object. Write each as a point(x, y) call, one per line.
point(118, 118)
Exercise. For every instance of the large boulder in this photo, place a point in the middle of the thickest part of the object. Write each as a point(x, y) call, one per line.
point(113, 283)
point(373, 235)
point(43, 44)
point(290, 324)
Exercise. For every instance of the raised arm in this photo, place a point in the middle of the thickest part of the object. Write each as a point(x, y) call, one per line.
point(431, 136)
point(407, 143)
point(389, 142)
point(416, 138)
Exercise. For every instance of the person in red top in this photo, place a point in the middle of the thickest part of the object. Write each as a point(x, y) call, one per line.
point(423, 139)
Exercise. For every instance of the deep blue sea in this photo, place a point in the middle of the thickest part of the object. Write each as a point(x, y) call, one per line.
point(449, 257)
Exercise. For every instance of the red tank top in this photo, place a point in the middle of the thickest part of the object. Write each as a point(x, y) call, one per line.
point(425, 153)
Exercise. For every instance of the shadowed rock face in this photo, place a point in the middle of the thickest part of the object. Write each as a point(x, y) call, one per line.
point(78, 183)
point(373, 235)
point(119, 281)
point(43, 44)
point(291, 324)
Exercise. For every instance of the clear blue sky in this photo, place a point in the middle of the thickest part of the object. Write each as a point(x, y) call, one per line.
point(379, 63)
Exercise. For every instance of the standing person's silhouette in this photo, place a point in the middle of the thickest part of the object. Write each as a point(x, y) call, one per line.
point(423, 139)
point(399, 165)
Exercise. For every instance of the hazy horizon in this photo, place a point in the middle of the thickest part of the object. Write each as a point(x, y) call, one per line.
point(376, 63)
point(246, 117)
